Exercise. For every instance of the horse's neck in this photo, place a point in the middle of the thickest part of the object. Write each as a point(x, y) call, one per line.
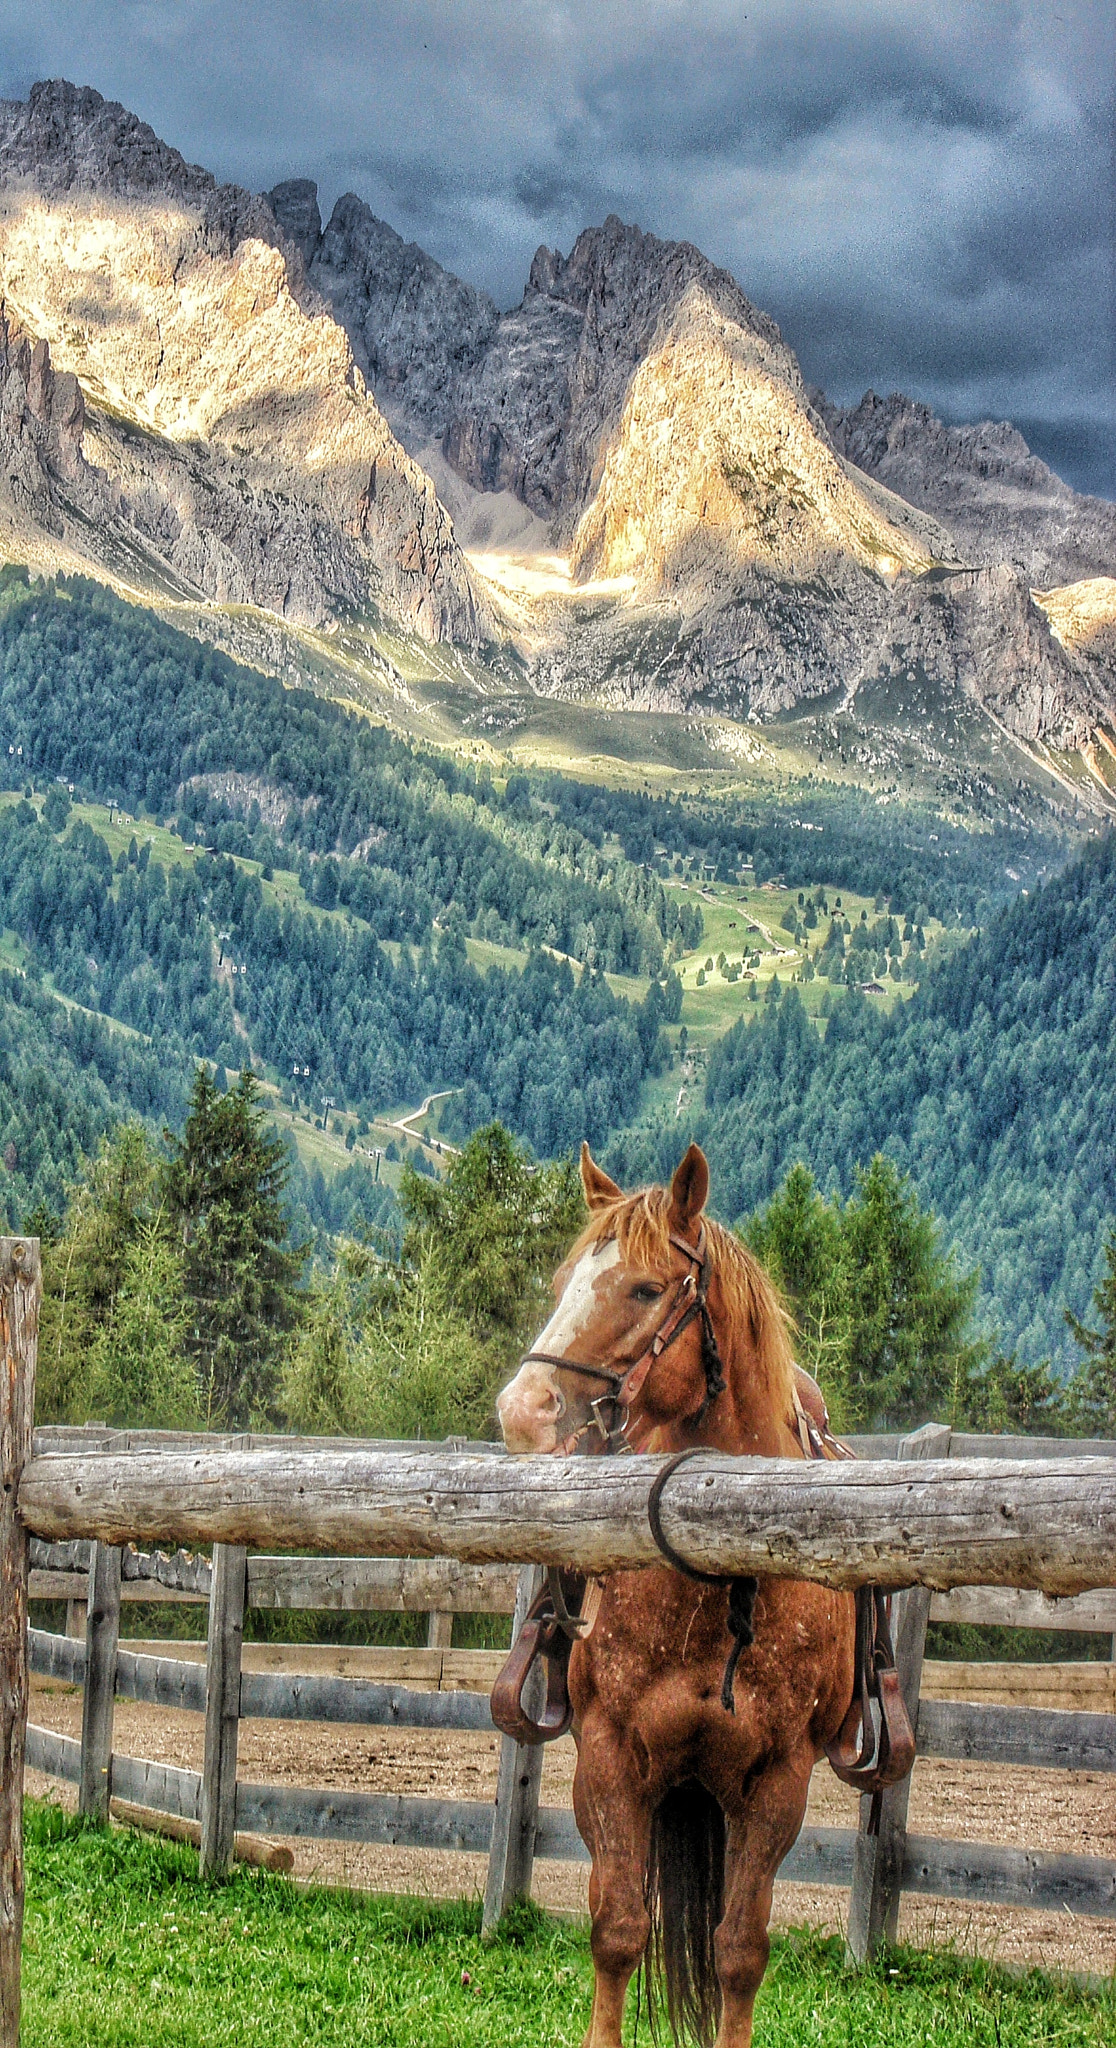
point(749, 1419)
point(757, 1411)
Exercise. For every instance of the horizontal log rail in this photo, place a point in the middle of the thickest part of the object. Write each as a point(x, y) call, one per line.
point(1047, 1525)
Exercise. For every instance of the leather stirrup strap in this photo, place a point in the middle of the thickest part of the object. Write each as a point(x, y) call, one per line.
point(875, 1744)
point(542, 1635)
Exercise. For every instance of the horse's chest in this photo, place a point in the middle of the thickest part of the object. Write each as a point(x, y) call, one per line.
point(657, 1666)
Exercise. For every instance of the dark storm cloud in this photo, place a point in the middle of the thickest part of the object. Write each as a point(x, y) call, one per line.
point(921, 195)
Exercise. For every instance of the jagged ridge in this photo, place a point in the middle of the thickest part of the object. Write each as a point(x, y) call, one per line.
point(261, 472)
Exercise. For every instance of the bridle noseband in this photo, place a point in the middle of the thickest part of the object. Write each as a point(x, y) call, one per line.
point(611, 1412)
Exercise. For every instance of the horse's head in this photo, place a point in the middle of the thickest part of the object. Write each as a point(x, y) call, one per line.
point(649, 1302)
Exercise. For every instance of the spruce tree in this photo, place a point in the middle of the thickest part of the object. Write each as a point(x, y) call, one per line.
point(1092, 1390)
point(224, 1187)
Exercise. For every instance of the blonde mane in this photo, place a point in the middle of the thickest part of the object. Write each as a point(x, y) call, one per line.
point(756, 1339)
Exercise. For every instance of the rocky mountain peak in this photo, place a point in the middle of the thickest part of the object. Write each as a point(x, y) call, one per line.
point(1000, 501)
point(537, 411)
point(717, 466)
point(68, 138)
point(295, 206)
point(413, 326)
point(230, 428)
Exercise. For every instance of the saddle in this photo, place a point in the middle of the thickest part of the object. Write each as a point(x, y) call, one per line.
point(875, 1744)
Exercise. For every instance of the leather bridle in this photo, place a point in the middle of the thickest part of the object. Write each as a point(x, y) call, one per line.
point(611, 1412)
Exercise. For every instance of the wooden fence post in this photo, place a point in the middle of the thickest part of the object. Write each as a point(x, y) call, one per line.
point(20, 1293)
point(222, 1707)
point(439, 1629)
point(102, 1635)
point(878, 1859)
point(512, 1854)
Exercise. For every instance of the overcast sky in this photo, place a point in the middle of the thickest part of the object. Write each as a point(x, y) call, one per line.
point(922, 194)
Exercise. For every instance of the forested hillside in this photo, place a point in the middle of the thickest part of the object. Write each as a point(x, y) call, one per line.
point(67, 1079)
point(995, 1088)
point(557, 1058)
point(306, 889)
point(102, 695)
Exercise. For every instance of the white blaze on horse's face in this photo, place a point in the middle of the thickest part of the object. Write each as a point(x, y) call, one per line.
point(532, 1405)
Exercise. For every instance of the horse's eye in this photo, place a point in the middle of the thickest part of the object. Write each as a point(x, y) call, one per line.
point(647, 1290)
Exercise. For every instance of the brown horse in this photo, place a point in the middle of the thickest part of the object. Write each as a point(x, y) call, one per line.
point(687, 1810)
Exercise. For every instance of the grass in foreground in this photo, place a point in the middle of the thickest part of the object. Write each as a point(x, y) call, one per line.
point(125, 1948)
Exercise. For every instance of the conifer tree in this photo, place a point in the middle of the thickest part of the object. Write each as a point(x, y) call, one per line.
point(1092, 1392)
point(882, 1312)
point(224, 1187)
point(86, 1272)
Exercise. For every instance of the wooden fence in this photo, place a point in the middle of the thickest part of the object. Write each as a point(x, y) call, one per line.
point(877, 1868)
point(928, 1513)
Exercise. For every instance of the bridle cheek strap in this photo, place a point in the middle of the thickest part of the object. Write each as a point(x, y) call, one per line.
point(624, 1388)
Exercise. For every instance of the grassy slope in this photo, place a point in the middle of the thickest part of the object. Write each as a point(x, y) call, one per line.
point(125, 1948)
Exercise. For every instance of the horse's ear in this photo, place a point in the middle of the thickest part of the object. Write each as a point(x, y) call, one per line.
point(599, 1189)
point(688, 1191)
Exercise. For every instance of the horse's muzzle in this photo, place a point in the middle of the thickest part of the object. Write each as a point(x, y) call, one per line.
point(529, 1411)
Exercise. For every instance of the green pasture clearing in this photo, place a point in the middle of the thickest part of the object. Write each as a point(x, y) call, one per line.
point(124, 1947)
point(742, 919)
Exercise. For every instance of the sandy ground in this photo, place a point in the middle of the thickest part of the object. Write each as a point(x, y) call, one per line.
point(1055, 1810)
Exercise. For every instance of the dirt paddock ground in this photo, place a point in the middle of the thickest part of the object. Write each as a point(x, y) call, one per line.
point(1073, 1812)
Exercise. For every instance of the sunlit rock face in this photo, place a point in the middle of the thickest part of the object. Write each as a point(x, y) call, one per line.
point(542, 406)
point(716, 465)
point(223, 403)
point(265, 411)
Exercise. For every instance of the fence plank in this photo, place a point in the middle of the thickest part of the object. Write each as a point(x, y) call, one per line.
point(517, 1790)
point(53, 1438)
point(163, 1786)
point(878, 1856)
point(1010, 1877)
point(820, 1856)
point(1041, 1738)
point(273, 1696)
point(337, 1815)
point(20, 1294)
point(1007, 1607)
point(403, 1584)
point(102, 1634)
point(57, 1756)
point(971, 1446)
point(161, 1681)
point(60, 1657)
point(222, 1708)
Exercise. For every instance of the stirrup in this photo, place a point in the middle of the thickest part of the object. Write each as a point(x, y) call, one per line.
point(875, 1744)
point(542, 1635)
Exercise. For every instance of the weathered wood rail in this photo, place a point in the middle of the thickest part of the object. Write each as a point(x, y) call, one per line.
point(1020, 1538)
point(513, 1836)
point(1048, 1525)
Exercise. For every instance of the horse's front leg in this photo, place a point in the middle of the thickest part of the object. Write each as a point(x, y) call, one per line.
point(614, 1817)
point(758, 1838)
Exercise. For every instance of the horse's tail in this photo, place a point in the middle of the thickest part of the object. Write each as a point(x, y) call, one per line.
point(685, 1898)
